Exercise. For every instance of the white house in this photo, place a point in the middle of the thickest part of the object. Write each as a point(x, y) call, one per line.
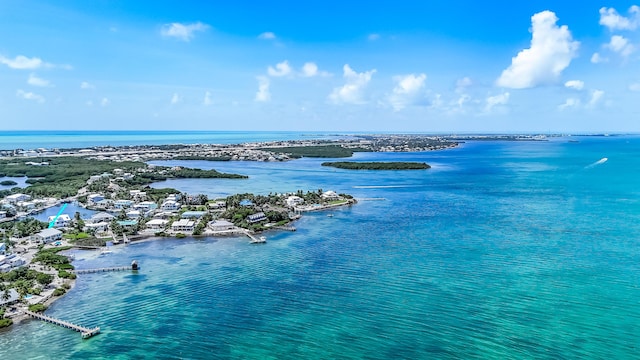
point(221, 225)
point(330, 195)
point(146, 206)
point(16, 198)
point(17, 262)
point(61, 221)
point(170, 205)
point(133, 214)
point(183, 225)
point(97, 226)
point(101, 217)
point(157, 224)
point(293, 201)
point(137, 194)
point(4, 268)
point(122, 204)
point(47, 235)
point(257, 217)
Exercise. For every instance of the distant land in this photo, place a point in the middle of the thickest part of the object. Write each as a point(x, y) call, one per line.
point(353, 165)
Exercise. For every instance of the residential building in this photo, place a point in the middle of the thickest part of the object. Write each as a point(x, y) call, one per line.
point(128, 224)
point(122, 204)
point(3, 214)
point(17, 262)
point(101, 217)
point(4, 268)
point(293, 201)
point(183, 225)
point(16, 198)
point(157, 224)
point(257, 217)
point(146, 206)
point(170, 205)
point(133, 214)
point(95, 198)
point(330, 195)
point(193, 214)
point(98, 227)
point(60, 221)
point(47, 235)
point(221, 225)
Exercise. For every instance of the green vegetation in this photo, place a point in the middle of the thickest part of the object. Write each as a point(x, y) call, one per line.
point(49, 257)
point(24, 227)
point(317, 151)
point(5, 323)
point(37, 308)
point(8, 183)
point(59, 292)
point(181, 236)
point(352, 165)
point(76, 236)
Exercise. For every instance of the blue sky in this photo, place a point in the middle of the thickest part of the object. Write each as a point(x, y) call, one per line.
point(437, 66)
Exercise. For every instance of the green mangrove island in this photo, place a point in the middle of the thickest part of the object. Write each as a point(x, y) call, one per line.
point(353, 165)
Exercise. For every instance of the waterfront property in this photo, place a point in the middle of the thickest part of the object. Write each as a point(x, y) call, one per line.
point(46, 236)
point(101, 217)
point(257, 217)
point(156, 224)
point(221, 225)
point(170, 205)
point(61, 221)
point(183, 225)
point(16, 198)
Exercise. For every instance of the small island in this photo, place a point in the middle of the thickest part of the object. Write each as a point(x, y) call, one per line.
point(8, 183)
point(353, 165)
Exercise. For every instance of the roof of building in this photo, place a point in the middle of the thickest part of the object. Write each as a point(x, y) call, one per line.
point(184, 222)
point(193, 214)
point(221, 223)
point(157, 222)
point(49, 232)
point(13, 296)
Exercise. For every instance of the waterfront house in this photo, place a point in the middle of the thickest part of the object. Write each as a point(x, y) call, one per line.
point(193, 214)
point(95, 198)
point(98, 227)
point(128, 224)
point(174, 197)
point(122, 204)
point(104, 203)
point(156, 224)
point(13, 295)
point(293, 201)
point(221, 225)
point(146, 206)
point(63, 220)
point(183, 225)
point(16, 198)
point(257, 217)
point(101, 217)
point(46, 236)
point(170, 205)
point(330, 195)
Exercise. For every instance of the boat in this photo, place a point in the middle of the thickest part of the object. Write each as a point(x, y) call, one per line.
point(105, 251)
point(260, 240)
point(329, 215)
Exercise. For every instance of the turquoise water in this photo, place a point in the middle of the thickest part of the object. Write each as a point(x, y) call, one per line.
point(503, 250)
point(10, 140)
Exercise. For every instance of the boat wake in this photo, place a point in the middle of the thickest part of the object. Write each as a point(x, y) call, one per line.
point(599, 162)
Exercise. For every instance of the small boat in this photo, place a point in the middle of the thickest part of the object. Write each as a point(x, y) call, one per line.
point(329, 215)
point(260, 240)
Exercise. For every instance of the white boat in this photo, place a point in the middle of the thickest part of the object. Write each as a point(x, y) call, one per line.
point(260, 240)
point(106, 251)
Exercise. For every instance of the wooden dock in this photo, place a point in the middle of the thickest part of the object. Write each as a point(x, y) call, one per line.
point(108, 269)
point(255, 240)
point(84, 332)
point(285, 227)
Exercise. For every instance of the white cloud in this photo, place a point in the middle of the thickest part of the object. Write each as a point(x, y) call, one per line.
point(551, 51)
point(86, 86)
point(207, 99)
point(36, 81)
point(570, 103)
point(281, 69)
point(596, 58)
point(263, 94)
point(184, 32)
point(105, 102)
point(621, 45)
point(176, 99)
point(21, 62)
point(309, 69)
point(493, 101)
point(463, 83)
point(610, 18)
point(634, 87)
point(351, 91)
point(268, 35)
point(407, 90)
point(596, 96)
point(27, 95)
point(575, 84)
point(373, 37)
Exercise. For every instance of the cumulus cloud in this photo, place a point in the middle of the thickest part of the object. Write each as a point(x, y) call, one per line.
point(574, 84)
point(596, 96)
point(21, 62)
point(27, 95)
point(309, 69)
point(268, 35)
point(263, 94)
point(281, 69)
point(463, 83)
point(610, 18)
point(176, 99)
point(207, 99)
point(620, 45)
point(184, 32)
point(570, 103)
point(596, 58)
point(104, 102)
point(86, 86)
point(407, 90)
point(551, 51)
point(493, 101)
point(351, 91)
point(36, 81)
point(373, 37)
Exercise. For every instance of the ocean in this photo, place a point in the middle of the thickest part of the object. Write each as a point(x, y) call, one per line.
point(502, 250)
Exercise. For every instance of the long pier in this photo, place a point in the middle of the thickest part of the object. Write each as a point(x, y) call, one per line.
point(84, 332)
point(107, 269)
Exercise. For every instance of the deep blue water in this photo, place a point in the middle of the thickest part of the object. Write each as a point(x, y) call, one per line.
point(501, 250)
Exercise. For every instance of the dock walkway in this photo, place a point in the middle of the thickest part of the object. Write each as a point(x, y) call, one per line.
point(84, 332)
point(108, 269)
